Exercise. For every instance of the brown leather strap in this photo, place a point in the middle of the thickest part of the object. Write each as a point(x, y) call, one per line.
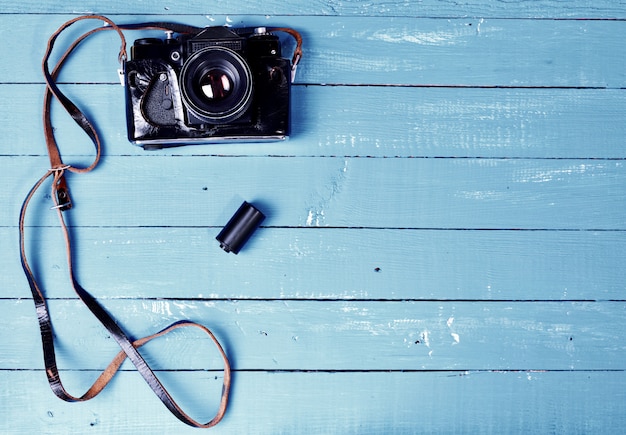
point(297, 53)
point(62, 202)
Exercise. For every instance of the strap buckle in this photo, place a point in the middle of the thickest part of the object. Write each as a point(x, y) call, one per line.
point(63, 201)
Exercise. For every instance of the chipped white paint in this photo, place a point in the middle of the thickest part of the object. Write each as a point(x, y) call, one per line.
point(426, 338)
point(315, 218)
point(420, 38)
point(480, 22)
point(159, 307)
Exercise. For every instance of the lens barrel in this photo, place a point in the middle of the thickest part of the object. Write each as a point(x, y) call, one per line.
point(216, 85)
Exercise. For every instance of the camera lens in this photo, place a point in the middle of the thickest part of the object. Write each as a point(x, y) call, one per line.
point(216, 85)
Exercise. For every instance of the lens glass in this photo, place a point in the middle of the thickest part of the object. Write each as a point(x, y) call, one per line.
point(215, 85)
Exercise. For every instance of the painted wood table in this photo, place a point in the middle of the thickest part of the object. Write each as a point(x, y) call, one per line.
point(444, 243)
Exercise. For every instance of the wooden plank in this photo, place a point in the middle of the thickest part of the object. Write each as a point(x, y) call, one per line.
point(510, 402)
point(426, 122)
point(333, 192)
point(292, 263)
point(334, 335)
point(386, 51)
point(427, 8)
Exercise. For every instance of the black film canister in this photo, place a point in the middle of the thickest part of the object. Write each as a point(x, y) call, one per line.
point(240, 227)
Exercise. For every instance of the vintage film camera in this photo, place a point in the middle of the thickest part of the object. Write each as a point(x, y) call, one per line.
point(217, 85)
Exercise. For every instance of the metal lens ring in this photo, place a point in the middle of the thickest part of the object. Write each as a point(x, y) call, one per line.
point(216, 84)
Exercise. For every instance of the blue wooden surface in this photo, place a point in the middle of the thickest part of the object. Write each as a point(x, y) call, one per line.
point(444, 244)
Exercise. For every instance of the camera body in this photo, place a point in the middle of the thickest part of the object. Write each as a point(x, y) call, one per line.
point(218, 85)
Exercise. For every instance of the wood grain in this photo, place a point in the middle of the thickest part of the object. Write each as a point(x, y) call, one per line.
point(347, 192)
point(390, 264)
point(386, 51)
point(428, 8)
point(419, 122)
point(364, 335)
point(511, 402)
